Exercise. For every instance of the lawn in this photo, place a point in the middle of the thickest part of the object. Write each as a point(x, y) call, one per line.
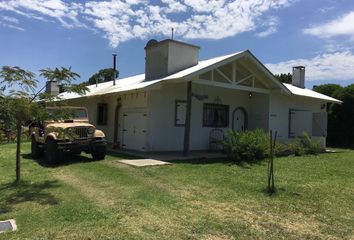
point(214, 199)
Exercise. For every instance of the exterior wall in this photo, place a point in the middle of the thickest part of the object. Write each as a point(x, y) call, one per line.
point(132, 101)
point(181, 57)
point(264, 111)
point(259, 112)
point(156, 55)
point(165, 136)
point(279, 113)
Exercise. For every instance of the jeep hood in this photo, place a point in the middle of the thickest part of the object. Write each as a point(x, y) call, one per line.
point(69, 125)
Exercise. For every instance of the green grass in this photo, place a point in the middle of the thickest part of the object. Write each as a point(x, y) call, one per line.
point(200, 199)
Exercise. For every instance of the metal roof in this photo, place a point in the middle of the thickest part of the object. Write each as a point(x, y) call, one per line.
point(138, 81)
point(304, 92)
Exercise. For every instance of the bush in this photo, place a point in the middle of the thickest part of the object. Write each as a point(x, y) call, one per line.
point(311, 146)
point(282, 149)
point(249, 145)
point(297, 147)
point(305, 145)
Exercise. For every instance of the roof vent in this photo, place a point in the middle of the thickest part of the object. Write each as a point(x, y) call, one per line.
point(298, 78)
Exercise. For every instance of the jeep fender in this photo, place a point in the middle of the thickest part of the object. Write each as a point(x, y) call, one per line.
point(51, 136)
point(99, 134)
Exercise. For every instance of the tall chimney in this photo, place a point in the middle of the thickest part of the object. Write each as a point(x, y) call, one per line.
point(298, 78)
point(114, 68)
point(167, 57)
point(52, 88)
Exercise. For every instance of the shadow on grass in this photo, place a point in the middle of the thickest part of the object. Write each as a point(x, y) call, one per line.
point(66, 159)
point(15, 193)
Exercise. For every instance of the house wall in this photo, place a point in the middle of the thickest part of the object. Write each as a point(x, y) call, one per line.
point(269, 112)
point(165, 136)
point(131, 102)
point(280, 105)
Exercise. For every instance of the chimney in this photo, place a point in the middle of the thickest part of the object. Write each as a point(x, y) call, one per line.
point(52, 88)
point(167, 57)
point(298, 78)
point(114, 68)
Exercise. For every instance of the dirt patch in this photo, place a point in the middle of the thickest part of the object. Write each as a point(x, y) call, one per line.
point(101, 198)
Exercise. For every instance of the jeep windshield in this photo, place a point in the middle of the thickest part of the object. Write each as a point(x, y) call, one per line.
point(67, 113)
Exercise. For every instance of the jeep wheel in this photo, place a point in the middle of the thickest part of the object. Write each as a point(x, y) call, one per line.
point(35, 150)
point(99, 153)
point(52, 152)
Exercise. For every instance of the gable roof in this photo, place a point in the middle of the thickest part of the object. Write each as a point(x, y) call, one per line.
point(304, 92)
point(138, 81)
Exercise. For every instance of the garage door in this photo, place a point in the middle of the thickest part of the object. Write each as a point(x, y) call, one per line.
point(134, 131)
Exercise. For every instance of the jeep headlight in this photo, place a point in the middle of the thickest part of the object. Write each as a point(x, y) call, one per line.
point(90, 132)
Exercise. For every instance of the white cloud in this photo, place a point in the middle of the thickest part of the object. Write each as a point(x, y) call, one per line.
point(10, 22)
point(122, 20)
point(9, 25)
point(328, 66)
point(342, 26)
point(10, 19)
point(271, 27)
point(65, 13)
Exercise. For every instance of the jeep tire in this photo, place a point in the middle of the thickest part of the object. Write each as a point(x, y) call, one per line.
point(99, 152)
point(36, 151)
point(52, 153)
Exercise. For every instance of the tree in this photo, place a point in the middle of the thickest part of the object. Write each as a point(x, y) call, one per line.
point(104, 75)
point(340, 116)
point(327, 89)
point(284, 77)
point(18, 97)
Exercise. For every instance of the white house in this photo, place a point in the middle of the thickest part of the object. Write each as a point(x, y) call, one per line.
point(149, 112)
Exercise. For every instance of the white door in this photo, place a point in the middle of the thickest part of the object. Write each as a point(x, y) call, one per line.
point(239, 120)
point(134, 131)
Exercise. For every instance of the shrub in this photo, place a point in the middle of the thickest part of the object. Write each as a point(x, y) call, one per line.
point(297, 147)
point(282, 149)
point(249, 145)
point(311, 146)
point(305, 145)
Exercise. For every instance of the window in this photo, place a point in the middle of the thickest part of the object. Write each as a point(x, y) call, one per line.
point(319, 124)
point(215, 115)
point(102, 114)
point(300, 122)
point(180, 113)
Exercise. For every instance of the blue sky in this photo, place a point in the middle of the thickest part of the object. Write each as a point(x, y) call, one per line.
point(36, 34)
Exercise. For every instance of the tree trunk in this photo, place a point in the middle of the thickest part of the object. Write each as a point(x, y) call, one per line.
point(18, 152)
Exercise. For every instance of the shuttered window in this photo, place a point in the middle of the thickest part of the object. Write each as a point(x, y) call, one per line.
point(300, 122)
point(319, 124)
